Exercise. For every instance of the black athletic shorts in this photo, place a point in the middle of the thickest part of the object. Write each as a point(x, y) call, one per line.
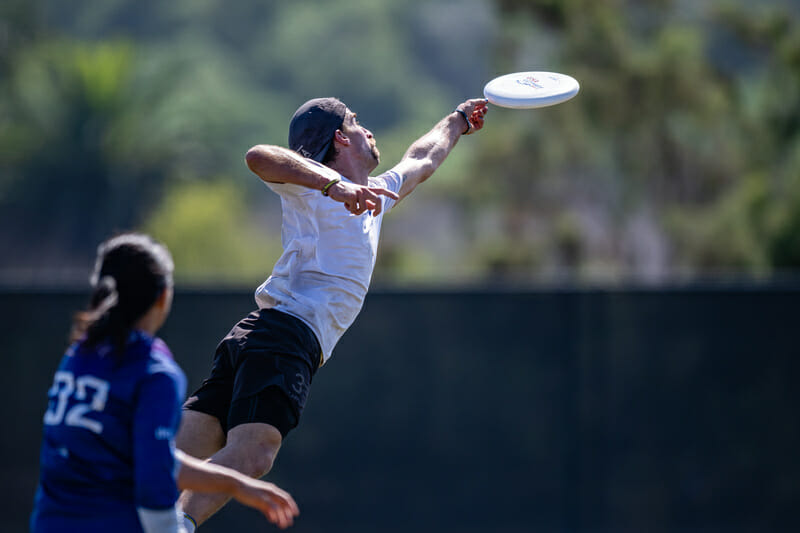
point(261, 372)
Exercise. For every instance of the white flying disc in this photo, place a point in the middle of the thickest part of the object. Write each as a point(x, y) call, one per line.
point(526, 90)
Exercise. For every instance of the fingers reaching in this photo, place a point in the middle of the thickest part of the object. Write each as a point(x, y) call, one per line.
point(276, 505)
point(476, 110)
point(375, 203)
point(385, 192)
point(477, 117)
point(363, 201)
point(358, 199)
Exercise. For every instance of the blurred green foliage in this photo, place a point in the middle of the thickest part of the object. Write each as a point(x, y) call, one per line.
point(210, 237)
point(677, 159)
point(680, 157)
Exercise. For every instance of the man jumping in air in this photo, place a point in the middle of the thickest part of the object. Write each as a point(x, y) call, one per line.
point(332, 214)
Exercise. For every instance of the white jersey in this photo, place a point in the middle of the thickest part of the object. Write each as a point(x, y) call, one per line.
point(328, 257)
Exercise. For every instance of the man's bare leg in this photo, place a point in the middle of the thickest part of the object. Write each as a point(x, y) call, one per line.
point(200, 434)
point(250, 449)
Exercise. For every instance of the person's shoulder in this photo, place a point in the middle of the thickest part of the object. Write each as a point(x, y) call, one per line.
point(159, 348)
point(155, 357)
point(162, 371)
point(161, 358)
point(390, 179)
point(81, 357)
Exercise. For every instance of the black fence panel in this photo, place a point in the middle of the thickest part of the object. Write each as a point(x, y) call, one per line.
point(560, 411)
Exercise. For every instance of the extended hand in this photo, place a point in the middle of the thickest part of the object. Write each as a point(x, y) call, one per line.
point(276, 504)
point(476, 110)
point(360, 198)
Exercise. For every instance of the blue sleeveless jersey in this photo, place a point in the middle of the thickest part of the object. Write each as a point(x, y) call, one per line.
point(108, 443)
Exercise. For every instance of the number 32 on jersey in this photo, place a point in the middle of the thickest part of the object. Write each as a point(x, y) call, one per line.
point(87, 393)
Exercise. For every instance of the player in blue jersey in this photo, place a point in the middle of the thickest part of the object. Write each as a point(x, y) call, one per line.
point(108, 459)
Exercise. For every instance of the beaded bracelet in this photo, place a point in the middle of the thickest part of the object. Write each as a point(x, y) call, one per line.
point(330, 184)
point(469, 124)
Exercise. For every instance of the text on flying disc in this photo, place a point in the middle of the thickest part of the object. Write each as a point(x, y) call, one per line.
point(532, 81)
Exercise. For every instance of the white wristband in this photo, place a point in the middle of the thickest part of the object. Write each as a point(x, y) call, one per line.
point(168, 520)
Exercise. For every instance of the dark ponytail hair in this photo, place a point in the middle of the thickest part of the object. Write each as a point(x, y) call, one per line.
point(130, 273)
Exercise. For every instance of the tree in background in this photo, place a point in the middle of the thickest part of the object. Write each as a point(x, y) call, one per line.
point(212, 240)
point(755, 223)
point(194, 85)
point(92, 133)
point(679, 157)
point(74, 157)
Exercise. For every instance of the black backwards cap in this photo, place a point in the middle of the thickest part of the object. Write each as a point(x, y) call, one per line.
point(313, 125)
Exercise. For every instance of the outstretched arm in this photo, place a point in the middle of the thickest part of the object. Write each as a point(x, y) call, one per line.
point(275, 164)
point(425, 155)
point(200, 476)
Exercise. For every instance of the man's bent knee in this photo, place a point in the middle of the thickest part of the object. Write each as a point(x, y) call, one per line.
point(255, 446)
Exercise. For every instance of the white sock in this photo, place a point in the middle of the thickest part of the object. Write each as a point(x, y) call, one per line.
point(170, 519)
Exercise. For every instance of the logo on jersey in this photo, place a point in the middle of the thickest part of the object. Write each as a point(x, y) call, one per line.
point(163, 433)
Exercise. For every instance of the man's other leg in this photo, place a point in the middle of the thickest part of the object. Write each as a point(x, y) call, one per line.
point(250, 448)
point(200, 434)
